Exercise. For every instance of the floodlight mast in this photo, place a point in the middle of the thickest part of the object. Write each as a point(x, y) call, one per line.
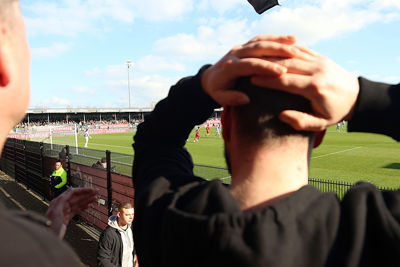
point(129, 64)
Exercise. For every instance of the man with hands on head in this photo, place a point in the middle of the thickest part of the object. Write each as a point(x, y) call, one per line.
point(268, 216)
point(25, 236)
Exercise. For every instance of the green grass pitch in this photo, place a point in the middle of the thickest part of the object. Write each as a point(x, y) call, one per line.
point(343, 156)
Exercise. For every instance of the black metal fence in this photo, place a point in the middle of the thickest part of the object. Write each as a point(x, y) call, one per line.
point(24, 160)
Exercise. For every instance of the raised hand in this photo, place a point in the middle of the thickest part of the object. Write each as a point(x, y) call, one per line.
point(66, 206)
point(246, 60)
point(332, 90)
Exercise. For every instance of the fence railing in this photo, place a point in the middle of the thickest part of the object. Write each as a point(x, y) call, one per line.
point(31, 163)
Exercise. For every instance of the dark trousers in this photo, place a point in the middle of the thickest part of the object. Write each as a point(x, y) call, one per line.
point(59, 191)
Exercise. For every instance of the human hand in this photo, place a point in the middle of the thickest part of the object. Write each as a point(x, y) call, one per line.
point(66, 206)
point(246, 60)
point(331, 90)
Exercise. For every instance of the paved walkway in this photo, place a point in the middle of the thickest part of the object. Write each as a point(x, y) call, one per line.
point(82, 239)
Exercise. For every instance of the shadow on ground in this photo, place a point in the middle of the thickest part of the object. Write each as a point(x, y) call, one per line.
point(15, 196)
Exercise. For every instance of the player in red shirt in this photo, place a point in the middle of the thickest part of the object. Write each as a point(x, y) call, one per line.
point(208, 130)
point(197, 137)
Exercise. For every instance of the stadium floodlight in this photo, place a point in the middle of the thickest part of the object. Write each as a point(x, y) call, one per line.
point(129, 64)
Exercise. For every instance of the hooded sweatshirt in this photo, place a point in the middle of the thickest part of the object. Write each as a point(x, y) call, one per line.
point(127, 241)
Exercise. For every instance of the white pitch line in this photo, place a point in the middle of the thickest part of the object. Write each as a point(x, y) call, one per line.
point(227, 177)
point(109, 145)
point(337, 152)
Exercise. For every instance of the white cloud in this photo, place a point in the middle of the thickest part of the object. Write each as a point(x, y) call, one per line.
point(144, 89)
point(71, 17)
point(150, 88)
point(398, 59)
point(84, 90)
point(220, 6)
point(56, 101)
point(213, 39)
point(159, 10)
point(310, 21)
point(52, 51)
point(153, 64)
point(388, 4)
point(392, 79)
point(111, 71)
point(147, 64)
point(314, 23)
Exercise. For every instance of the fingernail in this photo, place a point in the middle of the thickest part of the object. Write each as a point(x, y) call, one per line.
point(291, 38)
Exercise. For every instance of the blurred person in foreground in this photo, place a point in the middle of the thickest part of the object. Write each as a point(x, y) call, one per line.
point(27, 237)
point(116, 247)
point(268, 216)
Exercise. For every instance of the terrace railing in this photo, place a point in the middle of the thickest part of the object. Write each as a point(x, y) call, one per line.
point(31, 163)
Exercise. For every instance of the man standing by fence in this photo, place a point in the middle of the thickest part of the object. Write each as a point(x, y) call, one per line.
point(268, 216)
point(116, 241)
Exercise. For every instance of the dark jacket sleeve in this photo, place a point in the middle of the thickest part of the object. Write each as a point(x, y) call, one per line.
point(108, 249)
point(160, 139)
point(377, 109)
point(162, 166)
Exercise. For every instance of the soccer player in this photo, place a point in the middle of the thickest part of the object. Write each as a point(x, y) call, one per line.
point(217, 128)
point(87, 136)
point(197, 136)
point(208, 130)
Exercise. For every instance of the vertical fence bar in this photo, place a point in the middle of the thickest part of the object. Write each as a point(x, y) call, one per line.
point(109, 186)
point(26, 181)
point(68, 165)
point(42, 172)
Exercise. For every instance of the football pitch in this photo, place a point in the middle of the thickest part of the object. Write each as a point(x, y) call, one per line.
point(347, 157)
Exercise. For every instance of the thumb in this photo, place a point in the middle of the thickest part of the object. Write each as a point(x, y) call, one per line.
point(301, 121)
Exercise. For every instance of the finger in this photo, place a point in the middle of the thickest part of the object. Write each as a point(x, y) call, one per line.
point(232, 98)
point(266, 49)
point(254, 66)
point(82, 195)
point(296, 65)
point(301, 121)
point(285, 39)
point(77, 192)
point(307, 50)
point(82, 200)
point(291, 83)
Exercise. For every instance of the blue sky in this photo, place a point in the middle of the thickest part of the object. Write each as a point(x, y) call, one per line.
point(79, 47)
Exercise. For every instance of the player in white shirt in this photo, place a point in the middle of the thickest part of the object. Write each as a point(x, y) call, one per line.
point(87, 136)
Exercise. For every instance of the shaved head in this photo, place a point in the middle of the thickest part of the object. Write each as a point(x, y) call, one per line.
point(14, 67)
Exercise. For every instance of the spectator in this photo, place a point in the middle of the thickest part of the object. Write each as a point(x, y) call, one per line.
point(27, 240)
point(116, 241)
point(101, 164)
point(58, 179)
point(269, 216)
point(62, 155)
